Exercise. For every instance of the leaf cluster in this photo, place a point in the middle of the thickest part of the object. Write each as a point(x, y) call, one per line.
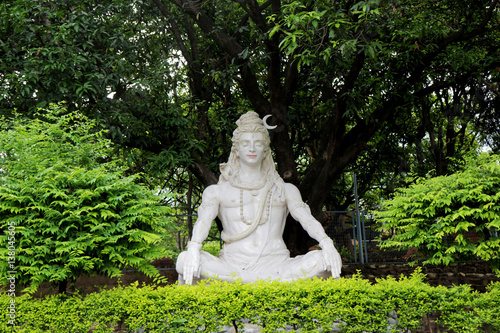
point(112, 61)
point(449, 218)
point(75, 211)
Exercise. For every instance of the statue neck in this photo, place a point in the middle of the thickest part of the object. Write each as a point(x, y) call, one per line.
point(250, 174)
point(250, 179)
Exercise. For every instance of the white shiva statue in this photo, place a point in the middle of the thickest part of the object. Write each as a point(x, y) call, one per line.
point(252, 202)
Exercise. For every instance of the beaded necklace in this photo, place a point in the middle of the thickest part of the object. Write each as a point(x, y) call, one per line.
point(252, 225)
point(267, 200)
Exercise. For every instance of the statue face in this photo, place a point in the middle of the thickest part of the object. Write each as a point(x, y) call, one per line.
point(251, 148)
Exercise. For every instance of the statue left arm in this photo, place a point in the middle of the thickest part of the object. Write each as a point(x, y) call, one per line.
point(300, 211)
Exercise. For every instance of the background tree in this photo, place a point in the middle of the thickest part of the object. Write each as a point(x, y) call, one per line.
point(74, 210)
point(352, 85)
point(449, 218)
point(363, 68)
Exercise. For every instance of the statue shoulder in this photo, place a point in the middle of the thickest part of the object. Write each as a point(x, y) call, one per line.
point(211, 192)
point(294, 198)
point(298, 208)
point(292, 192)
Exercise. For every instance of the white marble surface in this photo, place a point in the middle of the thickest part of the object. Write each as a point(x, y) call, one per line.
point(253, 202)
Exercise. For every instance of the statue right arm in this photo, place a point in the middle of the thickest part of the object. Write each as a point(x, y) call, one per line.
point(207, 212)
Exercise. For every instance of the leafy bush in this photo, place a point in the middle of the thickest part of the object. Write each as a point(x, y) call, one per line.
point(70, 207)
point(449, 218)
point(212, 247)
point(354, 305)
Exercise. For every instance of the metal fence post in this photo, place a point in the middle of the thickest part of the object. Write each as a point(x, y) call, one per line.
point(355, 245)
point(358, 223)
point(365, 241)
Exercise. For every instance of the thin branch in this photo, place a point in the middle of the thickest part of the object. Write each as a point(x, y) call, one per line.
point(175, 30)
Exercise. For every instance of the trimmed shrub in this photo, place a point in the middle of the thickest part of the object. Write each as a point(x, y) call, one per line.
point(353, 304)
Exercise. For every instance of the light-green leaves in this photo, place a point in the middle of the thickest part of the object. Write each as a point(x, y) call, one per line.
point(352, 305)
point(75, 210)
point(449, 218)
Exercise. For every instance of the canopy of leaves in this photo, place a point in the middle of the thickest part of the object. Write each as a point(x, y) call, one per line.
point(381, 88)
point(449, 218)
point(110, 60)
point(74, 210)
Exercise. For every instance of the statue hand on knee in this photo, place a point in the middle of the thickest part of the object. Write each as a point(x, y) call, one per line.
point(331, 257)
point(192, 264)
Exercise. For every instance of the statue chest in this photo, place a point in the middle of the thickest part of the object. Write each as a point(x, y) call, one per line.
point(244, 206)
point(234, 198)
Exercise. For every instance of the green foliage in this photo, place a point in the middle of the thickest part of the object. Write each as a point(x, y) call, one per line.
point(75, 211)
point(111, 61)
point(378, 87)
point(353, 305)
point(449, 218)
point(324, 31)
point(361, 48)
point(67, 50)
point(212, 247)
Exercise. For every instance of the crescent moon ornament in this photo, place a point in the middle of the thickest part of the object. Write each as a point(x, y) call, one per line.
point(269, 127)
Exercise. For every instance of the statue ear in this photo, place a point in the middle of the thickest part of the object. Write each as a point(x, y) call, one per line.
point(225, 171)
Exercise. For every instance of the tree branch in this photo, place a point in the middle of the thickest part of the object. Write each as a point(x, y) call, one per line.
point(255, 12)
point(175, 30)
point(228, 44)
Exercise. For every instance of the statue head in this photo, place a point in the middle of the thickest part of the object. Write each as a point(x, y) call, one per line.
point(248, 123)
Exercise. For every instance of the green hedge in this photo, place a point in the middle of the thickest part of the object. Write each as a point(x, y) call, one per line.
point(311, 306)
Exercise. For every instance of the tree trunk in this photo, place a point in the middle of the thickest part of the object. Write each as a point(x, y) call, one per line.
point(189, 206)
point(63, 285)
